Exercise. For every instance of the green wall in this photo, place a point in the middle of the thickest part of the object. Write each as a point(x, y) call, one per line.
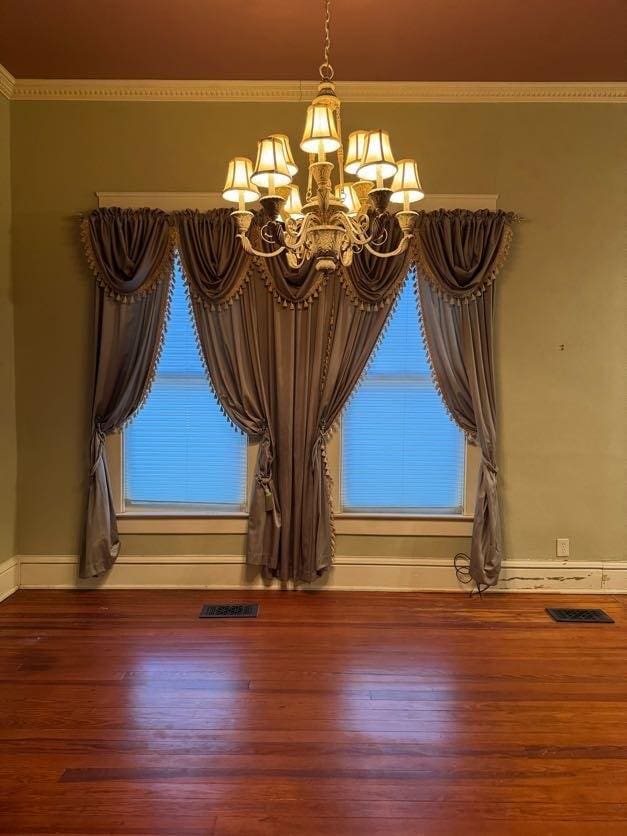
point(562, 433)
point(8, 443)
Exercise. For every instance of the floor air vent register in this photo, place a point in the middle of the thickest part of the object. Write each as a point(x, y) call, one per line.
point(580, 616)
point(229, 611)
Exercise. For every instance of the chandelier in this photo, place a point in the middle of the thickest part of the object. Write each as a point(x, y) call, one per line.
point(336, 221)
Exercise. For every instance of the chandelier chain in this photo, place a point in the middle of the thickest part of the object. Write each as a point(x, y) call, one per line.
point(326, 70)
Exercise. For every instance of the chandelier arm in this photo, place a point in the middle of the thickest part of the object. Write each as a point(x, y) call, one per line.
point(296, 259)
point(355, 232)
point(400, 249)
point(268, 238)
point(301, 234)
point(358, 225)
point(358, 239)
point(248, 248)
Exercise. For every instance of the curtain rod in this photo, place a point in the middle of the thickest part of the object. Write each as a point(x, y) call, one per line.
point(514, 216)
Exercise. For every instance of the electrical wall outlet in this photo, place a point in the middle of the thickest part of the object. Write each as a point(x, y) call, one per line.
point(562, 547)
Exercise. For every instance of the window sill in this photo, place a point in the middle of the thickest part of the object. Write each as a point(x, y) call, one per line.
point(161, 523)
point(382, 525)
point(404, 525)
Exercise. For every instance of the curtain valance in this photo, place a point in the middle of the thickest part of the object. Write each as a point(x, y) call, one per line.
point(129, 250)
point(458, 251)
point(217, 268)
point(461, 252)
point(214, 263)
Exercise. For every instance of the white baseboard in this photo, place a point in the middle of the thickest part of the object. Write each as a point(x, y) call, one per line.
point(390, 574)
point(9, 577)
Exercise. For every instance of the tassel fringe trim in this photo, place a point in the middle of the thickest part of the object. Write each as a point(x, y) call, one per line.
point(164, 318)
point(393, 303)
point(329, 481)
point(285, 301)
point(199, 347)
point(434, 378)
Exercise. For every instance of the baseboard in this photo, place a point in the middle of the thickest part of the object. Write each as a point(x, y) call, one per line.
point(349, 573)
point(9, 577)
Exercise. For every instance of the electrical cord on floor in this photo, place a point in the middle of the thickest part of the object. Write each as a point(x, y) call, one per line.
point(462, 570)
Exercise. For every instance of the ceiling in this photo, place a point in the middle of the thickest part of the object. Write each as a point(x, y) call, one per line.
point(401, 40)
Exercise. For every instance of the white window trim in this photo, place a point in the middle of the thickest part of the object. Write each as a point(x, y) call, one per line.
point(144, 521)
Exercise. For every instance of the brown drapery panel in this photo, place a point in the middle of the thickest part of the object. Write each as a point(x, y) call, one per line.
point(130, 253)
point(284, 351)
point(238, 352)
point(458, 255)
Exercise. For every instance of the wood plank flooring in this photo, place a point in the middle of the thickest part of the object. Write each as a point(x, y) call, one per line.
point(334, 714)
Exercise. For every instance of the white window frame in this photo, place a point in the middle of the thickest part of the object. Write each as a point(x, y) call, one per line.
point(157, 521)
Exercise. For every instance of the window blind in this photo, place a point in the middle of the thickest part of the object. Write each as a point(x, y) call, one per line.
point(401, 453)
point(180, 450)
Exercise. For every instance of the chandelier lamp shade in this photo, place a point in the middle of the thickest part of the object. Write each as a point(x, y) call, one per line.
point(287, 153)
point(336, 220)
point(348, 196)
point(377, 162)
point(355, 153)
point(239, 187)
point(271, 168)
point(321, 135)
point(293, 205)
point(406, 186)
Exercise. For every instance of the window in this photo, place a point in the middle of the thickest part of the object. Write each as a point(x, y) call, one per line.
point(401, 453)
point(180, 452)
point(398, 452)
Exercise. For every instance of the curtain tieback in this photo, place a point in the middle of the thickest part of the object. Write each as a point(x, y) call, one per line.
point(264, 478)
point(490, 466)
point(266, 484)
point(97, 446)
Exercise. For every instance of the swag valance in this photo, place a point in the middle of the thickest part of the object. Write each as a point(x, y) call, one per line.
point(129, 251)
point(284, 349)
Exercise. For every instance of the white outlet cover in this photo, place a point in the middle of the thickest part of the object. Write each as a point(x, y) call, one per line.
point(562, 547)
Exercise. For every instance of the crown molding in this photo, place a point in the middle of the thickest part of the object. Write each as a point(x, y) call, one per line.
point(7, 83)
point(299, 91)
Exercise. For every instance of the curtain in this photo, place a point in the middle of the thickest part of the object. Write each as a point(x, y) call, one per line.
point(284, 349)
point(458, 255)
point(232, 319)
point(130, 253)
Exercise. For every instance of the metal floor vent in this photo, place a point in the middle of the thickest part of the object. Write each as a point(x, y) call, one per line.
point(229, 611)
point(580, 616)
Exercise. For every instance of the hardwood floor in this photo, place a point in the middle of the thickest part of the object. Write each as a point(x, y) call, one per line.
point(331, 713)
